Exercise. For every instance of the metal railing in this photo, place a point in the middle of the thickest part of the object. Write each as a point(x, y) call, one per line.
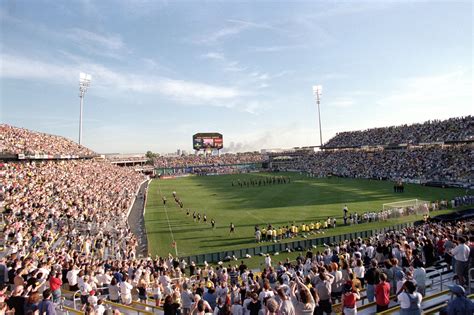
point(76, 294)
point(439, 277)
point(397, 307)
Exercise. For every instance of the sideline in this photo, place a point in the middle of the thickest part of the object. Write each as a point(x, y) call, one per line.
point(169, 224)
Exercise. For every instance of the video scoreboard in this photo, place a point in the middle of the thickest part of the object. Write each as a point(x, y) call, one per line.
point(203, 141)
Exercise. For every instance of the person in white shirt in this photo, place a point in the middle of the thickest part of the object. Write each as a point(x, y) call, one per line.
point(92, 299)
point(72, 278)
point(359, 271)
point(85, 288)
point(268, 261)
point(266, 292)
point(100, 308)
point(286, 306)
point(126, 291)
point(410, 300)
point(419, 275)
point(461, 254)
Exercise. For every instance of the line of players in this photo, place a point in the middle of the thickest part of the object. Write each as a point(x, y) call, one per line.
point(262, 182)
point(275, 234)
point(196, 216)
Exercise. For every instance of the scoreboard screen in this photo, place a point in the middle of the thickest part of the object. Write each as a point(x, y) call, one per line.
point(202, 141)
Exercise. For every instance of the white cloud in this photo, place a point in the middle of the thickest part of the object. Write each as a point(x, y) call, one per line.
point(234, 66)
point(277, 48)
point(189, 92)
point(24, 68)
point(235, 27)
point(108, 41)
point(214, 55)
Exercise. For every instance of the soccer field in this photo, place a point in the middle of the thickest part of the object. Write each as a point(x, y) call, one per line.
point(303, 200)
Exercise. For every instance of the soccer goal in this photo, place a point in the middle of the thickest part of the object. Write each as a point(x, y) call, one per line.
point(407, 207)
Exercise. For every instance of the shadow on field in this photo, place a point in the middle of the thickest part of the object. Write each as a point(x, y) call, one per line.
point(230, 242)
point(303, 191)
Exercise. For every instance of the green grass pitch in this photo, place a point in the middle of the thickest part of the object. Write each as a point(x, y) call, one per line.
point(303, 200)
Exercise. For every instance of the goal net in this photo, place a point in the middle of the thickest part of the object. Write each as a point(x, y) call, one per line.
point(407, 207)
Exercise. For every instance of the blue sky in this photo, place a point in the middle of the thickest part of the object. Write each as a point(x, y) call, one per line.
point(164, 70)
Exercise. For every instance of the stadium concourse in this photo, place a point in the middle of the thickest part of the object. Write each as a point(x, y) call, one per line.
point(69, 249)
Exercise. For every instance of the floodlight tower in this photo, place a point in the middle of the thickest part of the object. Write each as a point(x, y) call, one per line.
point(317, 91)
point(84, 82)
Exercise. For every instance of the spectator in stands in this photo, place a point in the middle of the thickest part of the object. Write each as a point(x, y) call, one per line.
point(382, 293)
point(114, 291)
point(419, 275)
point(55, 284)
point(46, 307)
point(170, 307)
point(302, 298)
point(286, 306)
point(349, 300)
point(461, 254)
point(471, 252)
point(17, 300)
point(32, 302)
point(323, 284)
point(410, 300)
point(460, 304)
point(255, 305)
point(3, 271)
point(372, 278)
point(126, 290)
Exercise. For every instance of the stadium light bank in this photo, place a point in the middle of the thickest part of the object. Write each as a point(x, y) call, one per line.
point(84, 82)
point(317, 91)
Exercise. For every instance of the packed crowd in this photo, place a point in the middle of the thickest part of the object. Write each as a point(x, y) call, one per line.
point(15, 140)
point(66, 227)
point(202, 160)
point(453, 129)
point(82, 203)
point(438, 163)
point(385, 264)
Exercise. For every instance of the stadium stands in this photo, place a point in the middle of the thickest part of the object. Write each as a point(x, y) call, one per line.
point(201, 160)
point(433, 163)
point(451, 130)
point(64, 225)
point(15, 140)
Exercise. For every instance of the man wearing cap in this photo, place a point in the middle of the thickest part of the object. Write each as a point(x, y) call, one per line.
point(460, 304)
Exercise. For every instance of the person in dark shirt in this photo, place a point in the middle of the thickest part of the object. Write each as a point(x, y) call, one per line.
point(429, 253)
point(372, 278)
point(242, 267)
point(170, 307)
point(254, 305)
point(17, 301)
point(459, 304)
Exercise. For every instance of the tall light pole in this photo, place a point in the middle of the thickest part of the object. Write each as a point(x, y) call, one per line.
point(84, 82)
point(317, 91)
